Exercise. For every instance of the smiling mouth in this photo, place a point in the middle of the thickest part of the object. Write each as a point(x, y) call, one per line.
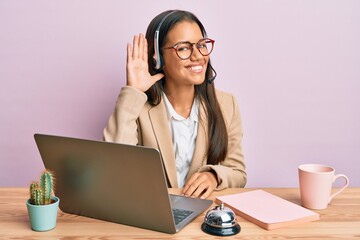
point(196, 68)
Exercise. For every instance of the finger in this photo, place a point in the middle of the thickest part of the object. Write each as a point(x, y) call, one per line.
point(129, 52)
point(199, 190)
point(141, 45)
point(204, 185)
point(189, 182)
point(207, 193)
point(190, 190)
point(156, 77)
point(196, 187)
point(145, 55)
point(135, 47)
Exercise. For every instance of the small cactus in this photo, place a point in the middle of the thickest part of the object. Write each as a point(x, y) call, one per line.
point(47, 184)
point(40, 194)
point(37, 195)
point(33, 185)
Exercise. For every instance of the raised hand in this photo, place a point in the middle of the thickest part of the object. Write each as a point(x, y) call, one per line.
point(137, 72)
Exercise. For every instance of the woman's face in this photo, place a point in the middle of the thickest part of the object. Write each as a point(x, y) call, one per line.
point(184, 72)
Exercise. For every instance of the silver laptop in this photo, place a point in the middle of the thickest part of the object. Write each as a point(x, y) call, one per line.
point(116, 182)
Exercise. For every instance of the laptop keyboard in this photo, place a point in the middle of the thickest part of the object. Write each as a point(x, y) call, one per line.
point(180, 214)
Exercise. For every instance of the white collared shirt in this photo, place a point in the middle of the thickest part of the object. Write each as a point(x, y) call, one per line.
point(184, 132)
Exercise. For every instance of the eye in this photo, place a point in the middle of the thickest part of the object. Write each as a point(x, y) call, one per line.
point(202, 44)
point(183, 47)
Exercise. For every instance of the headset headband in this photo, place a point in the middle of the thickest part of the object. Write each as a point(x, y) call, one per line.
point(157, 59)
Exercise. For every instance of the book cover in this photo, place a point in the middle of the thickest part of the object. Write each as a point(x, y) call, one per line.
point(267, 210)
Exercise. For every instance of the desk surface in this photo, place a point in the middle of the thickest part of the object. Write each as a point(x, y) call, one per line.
point(341, 220)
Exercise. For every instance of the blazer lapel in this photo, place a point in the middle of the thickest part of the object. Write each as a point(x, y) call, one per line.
point(158, 118)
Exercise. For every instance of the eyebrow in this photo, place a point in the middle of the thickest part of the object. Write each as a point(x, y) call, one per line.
point(187, 41)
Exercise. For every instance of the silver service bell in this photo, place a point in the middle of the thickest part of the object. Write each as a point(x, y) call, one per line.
point(220, 221)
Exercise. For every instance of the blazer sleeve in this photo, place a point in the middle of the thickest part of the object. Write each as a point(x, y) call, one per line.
point(122, 126)
point(231, 172)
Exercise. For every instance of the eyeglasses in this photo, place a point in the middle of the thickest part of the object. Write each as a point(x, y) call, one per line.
point(185, 49)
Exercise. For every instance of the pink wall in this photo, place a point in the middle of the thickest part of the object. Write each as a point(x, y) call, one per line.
point(293, 65)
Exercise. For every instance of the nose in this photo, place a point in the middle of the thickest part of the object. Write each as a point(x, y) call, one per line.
point(195, 55)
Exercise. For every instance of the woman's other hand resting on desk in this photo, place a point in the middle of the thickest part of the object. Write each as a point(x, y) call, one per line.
point(200, 185)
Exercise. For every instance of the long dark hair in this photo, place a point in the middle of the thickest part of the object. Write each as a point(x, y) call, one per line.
point(217, 138)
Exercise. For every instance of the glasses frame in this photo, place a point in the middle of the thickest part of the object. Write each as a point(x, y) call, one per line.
point(207, 40)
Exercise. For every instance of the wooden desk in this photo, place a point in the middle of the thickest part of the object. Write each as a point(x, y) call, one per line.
point(341, 220)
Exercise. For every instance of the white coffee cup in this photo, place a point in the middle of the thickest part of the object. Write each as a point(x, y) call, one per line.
point(316, 182)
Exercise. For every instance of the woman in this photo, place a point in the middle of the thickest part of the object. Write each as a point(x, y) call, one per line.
point(171, 104)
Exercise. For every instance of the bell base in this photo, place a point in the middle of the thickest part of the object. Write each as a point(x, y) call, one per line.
point(221, 231)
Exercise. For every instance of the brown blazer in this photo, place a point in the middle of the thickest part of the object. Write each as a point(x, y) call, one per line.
point(135, 121)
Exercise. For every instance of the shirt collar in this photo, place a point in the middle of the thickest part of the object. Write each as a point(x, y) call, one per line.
point(171, 113)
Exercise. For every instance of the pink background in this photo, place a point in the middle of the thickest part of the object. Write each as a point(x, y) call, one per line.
point(293, 65)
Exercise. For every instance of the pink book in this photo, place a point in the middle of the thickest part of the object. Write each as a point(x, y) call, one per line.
point(267, 210)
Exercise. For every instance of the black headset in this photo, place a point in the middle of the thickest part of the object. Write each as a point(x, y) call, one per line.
point(157, 55)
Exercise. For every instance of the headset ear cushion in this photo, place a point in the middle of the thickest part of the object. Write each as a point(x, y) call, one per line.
point(160, 62)
point(157, 62)
point(154, 62)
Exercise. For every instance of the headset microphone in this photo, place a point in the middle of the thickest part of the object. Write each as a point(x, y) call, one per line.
point(211, 80)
